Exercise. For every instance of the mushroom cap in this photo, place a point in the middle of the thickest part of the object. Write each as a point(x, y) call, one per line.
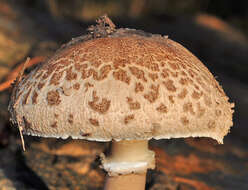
point(123, 86)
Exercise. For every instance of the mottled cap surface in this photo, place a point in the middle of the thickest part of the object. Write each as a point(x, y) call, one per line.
point(127, 85)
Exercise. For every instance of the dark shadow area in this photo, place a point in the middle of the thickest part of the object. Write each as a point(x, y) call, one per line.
point(26, 175)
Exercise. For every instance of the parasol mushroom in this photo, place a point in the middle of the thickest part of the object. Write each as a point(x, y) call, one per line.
point(125, 86)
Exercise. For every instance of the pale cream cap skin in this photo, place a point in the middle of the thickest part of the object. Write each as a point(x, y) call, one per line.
point(129, 85)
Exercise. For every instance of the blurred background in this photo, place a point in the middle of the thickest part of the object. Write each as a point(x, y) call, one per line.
point(215, 31)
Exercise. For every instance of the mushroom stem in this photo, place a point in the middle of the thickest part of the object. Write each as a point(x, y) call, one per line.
point(126, 182)
point(127, 165)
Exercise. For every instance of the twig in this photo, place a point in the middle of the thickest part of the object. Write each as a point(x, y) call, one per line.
point(18, 78)
point(22, 139)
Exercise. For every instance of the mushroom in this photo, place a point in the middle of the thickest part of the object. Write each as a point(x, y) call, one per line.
point(125, 86)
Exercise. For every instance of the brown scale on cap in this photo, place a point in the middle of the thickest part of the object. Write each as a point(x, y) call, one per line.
point(139, 74)
point(184, 120)
point(174, 74)
point(70, 119)
point(79, 66)
point(162, 108)
point(97, 63)
point(56, 78)
point(84, 66)
point(218, 112)
point(27, 124)
point(87, 85)
point(53, 98)
point(170, 55)
point(24, 80)
point(207, 100)
point(183, 66)
point(76, 86)
point(66, 90)
point(120, 63)
point(162, 63)
point(34, 84)
point(139, 87)
point(133, 105)
point(128, 118)
point(104, 72)
point(70, 75)
point(40, 85)
point(54, 125)
point(165, 73)
point(191, 82)
point(48, 72)
point(170, 86)
point(58, 68)
point(85, 134)
point(183, 93)
point(121, 75)
point(150, 64)
point(174, 65)
point(94, 122)
point(153, 76)
point(211, 124)
point(101, 107)
point(39, 75)
point(200, 110)
point(184, 81)
point(97, 76)
point(152, 95)
point(192, 73)
point(34, 97)
point(25, 97)
point(60, 63)
point(171, 99)
point(28, 84)
point(202, 84)
point(183, 73)
point(196, 87)
point(159, 57)
point(196, 95)
point(188, 107)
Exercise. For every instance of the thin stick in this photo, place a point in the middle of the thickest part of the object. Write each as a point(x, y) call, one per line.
point(18, 78)
point(22, 139)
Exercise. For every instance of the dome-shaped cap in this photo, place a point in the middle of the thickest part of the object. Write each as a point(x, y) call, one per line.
point(124, 85)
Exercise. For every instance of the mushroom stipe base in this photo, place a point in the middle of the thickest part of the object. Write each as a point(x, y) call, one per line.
point(127, 164)
point(126, 182)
